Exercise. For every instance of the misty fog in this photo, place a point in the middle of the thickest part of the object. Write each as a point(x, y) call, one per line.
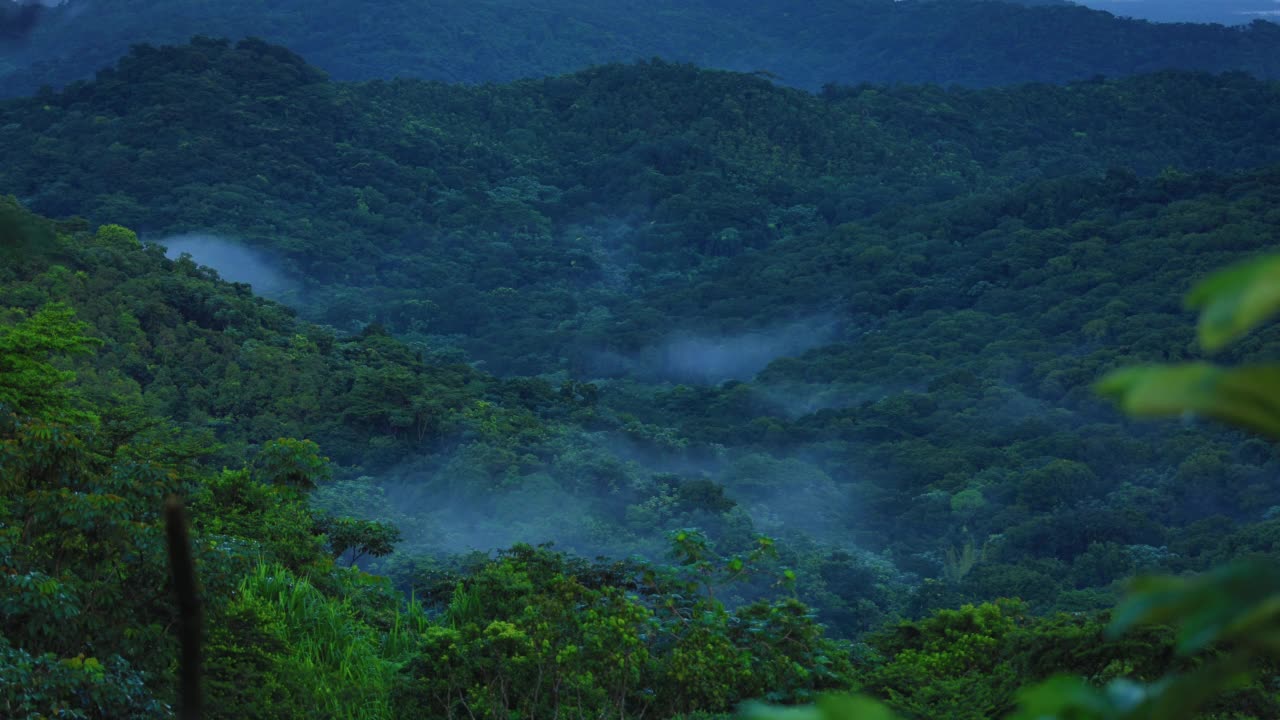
point(233, 261)
point(1226, 12)
point(710, 358)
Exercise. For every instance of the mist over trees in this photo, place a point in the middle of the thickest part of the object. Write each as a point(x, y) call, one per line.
point(643, 390)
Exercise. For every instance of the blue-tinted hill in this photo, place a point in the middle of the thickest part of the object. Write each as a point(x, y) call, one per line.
point(966, 42)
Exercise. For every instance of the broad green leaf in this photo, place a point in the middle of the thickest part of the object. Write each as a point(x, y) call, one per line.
point(1235, 300)
point(1238, 602)
point(1180, 698)
point(1248, 396)
point(1072, 698)
point(1061, 697)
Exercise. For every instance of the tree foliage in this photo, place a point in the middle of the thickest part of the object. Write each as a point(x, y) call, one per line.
point(965, 42)
point(634, 305)
point(1226, 619)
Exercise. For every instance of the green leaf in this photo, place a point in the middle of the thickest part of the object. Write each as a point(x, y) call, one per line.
point(1182, 697)
point(1239, 602)
point(1235, 300)
point(1062, 696)
point(1248, 396)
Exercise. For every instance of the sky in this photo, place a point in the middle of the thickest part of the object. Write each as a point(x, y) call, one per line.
point(1222, 11)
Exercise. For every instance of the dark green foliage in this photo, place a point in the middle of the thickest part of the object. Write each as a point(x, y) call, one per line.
point(29, 385)
point(972, 662)
point(34, 687)
point(1226, 618)
point(176, 342)
point(82, 552)
point(993, 435)
point(504, 219)
point(87, 596)
point(889, 465)
point(291, 463)
point(968, 42)
point(533, 634)
point(233, 505)
point(81, 548)
point(865, 322)
point(359, 538)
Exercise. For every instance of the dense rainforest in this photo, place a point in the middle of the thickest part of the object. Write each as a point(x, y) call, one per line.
point(643, 390)
point(809, 44)
point(530, 212)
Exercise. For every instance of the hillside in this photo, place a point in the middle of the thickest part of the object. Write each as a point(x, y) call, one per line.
point(965, 42)
point(511, 221)
point(117, 370)
point(804, 370)
point(871, 253)
point(288, 625)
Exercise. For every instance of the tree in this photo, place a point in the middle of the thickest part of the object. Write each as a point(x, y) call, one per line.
point(359, 537)
point(30, 385)
point(291, 463)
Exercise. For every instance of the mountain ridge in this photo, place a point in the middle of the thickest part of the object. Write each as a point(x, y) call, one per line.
point(557, 188)
point(806, 46)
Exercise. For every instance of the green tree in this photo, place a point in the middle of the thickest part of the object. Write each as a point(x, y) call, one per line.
point(358, 538)
point(31, 385)
point(291, 463)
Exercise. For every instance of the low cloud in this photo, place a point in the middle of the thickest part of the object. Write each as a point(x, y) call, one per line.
point(709, 359)
point(233, 261)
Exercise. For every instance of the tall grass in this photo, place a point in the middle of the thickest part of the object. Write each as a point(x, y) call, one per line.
point(347, 665)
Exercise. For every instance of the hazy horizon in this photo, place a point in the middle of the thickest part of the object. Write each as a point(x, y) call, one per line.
point(1220, 11)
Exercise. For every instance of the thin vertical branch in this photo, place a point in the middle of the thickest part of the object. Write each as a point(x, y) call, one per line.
point(189, 612)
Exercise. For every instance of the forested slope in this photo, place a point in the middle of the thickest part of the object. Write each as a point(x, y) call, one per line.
point(509, 217)
point(643, 310)
point(86, 464)
point(125, 377)
point(907, 256)
point(966, 42)
point(89, 449)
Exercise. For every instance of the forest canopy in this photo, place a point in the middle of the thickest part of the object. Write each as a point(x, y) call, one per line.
point(647, 389)
point(975, 43)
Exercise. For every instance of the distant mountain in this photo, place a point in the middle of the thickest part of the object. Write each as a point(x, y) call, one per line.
point(868, 319)
point(965, 42)
point(1227, 12)
point(481, 213)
